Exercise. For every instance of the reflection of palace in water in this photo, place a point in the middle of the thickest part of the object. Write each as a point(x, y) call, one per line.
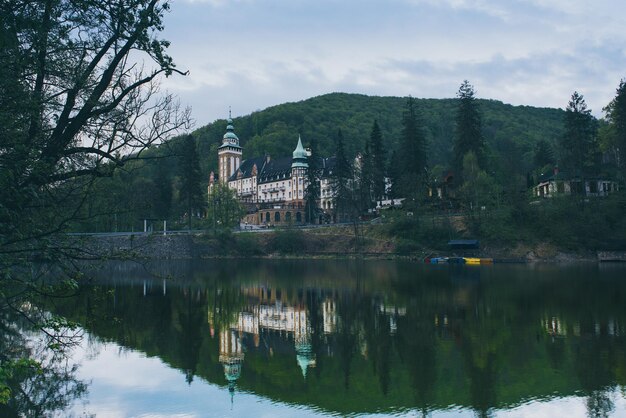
point(559, 327)
point(287, 323)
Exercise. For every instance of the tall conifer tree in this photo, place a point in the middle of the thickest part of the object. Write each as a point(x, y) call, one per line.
point(617, 116)
point(313, 184)
point(578, 144)
point(378, 162)
point(412, 158)
point(342, 179)
point(190, 177)
point(394, 175)
point(468, 135)
point(365, 176)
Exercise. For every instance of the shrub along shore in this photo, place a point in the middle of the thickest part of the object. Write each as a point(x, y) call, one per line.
point(367, 241)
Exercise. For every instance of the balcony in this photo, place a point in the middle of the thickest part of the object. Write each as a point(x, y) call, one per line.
point(274, 189)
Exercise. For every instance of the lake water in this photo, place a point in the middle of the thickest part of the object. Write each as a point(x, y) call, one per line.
point(347, 338)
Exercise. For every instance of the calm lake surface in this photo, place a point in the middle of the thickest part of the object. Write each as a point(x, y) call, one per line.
point(346, 338)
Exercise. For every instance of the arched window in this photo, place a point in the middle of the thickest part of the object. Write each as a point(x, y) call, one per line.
point(267, 216)
point(277, 217)
point(287, 216)
point(298, 217)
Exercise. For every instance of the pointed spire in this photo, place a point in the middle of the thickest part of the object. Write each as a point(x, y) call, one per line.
point(299, 155)
point(230, 138)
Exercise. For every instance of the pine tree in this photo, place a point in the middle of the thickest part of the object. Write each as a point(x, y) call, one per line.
point(394, 175)
point(377, 163)
point(313, 184)
point(617, 116)
point(412, 158)
point(190, 177)
point(364, 174)
point(342, 180)
point(468, 129)
point(578, 144)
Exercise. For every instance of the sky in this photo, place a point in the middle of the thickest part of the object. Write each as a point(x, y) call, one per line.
point(118, 388)
point(252, 54)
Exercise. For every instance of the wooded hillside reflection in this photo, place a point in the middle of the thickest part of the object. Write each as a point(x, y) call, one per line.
point(354, 337)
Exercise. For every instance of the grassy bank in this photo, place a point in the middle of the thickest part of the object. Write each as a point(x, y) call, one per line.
point(372, 241)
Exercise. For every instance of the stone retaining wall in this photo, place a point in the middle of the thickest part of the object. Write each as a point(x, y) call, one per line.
point(136, 246)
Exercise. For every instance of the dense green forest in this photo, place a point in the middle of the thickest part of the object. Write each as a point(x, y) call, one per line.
point(275, 130)
point(150, 188)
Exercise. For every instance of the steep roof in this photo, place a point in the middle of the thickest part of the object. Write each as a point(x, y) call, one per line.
point(275, 170)
point(246, 168)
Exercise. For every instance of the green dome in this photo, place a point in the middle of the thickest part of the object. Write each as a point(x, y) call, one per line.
point(232, 371)
point(304, 356)
point(230, 138)
point(299, 155)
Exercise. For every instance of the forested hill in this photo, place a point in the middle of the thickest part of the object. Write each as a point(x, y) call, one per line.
point(510, 131)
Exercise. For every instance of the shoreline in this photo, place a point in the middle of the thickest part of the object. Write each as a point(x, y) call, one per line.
point(181, 247)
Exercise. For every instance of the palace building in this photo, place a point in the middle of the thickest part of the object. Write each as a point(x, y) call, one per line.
point(273, 191)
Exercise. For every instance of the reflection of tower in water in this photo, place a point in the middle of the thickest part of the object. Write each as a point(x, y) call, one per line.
point(302, 339)
point(231, 357)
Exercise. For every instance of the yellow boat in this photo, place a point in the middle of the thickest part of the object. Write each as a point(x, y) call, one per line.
point(471, 260)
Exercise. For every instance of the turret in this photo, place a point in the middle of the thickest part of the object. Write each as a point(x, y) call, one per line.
point(299, 167)
point(300, 156)
point(229, 153)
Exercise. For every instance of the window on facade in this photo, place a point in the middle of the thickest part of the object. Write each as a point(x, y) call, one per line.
point(298, 217)
point(267, 216)
point(288, 216)
point(593, 187)
point(277, 217)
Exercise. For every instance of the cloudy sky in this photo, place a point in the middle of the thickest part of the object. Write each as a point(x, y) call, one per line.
point(251, 54)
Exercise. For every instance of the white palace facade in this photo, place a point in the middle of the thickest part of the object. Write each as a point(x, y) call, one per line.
point(272, 190)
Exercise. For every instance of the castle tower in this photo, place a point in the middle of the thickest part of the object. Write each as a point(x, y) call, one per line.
point(231, 357)
point(229, 153)
point(299, 168)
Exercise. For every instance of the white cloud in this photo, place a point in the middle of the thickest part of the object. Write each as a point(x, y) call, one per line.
point(490, 8)
point(252, 54)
